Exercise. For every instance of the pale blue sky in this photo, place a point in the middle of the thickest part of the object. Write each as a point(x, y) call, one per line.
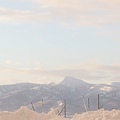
point(45, 40)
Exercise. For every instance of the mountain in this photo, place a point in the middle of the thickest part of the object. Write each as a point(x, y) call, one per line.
point(116, 84)
point(73, 82)
point(74, 90)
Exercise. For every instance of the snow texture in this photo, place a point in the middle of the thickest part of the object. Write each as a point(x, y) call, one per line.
point(26, 114)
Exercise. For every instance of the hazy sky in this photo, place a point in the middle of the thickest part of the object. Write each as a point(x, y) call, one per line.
point(45, 40)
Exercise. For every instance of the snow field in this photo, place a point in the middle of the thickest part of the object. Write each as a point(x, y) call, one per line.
point(98, 115)
point(26, 114)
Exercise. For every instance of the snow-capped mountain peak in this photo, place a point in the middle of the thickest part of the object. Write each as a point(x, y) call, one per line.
point(71, 81)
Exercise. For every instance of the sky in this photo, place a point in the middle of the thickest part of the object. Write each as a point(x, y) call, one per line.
point(42, 41)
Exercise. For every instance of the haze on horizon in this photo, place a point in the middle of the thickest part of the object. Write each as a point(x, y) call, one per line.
point(45, 40)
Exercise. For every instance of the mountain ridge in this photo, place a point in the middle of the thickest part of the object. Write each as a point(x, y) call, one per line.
point(17, 95)
point(71, 81)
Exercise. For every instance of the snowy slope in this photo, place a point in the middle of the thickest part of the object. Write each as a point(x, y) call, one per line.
point(26, 114)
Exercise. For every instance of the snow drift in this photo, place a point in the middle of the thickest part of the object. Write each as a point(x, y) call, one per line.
point(98, 115)
point(26, 114)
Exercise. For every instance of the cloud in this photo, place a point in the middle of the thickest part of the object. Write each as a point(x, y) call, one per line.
point(117, 2)
point(92, 73)
point(77, 12)
point(88, 72)
point(6, 69)
point(83, 13)
point(8, 62)
point(18, 16)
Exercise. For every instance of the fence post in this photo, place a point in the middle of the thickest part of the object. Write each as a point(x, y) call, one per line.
point(32, 106)
point(98, 101)
point(88, 104)
point(42, 105)
point(65, 108)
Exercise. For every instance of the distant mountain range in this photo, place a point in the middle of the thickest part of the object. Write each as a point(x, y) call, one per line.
point(75, 91)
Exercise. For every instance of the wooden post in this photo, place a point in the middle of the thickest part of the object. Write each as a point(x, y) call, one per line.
point(88, 104)
point(84, 104)
point(32, 106)
point(61, 111)
point(65, 108)
point(42, 106)
point(98, 101)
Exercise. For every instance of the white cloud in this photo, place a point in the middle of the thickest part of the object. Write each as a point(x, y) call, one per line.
point(93, 73)
point(77, 12)
point(117, 2)
point(18, 16)
point(4, 69)
point(83, 13)
point(8, 62)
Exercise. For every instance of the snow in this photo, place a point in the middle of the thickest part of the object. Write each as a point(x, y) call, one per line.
point(26, 114)
point(98, 115)
point(105, 88)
